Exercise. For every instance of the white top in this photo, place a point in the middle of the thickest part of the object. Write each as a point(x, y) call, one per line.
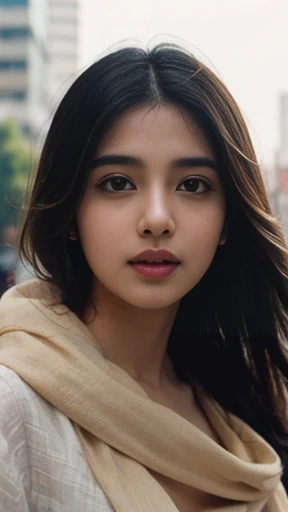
point(42, 465)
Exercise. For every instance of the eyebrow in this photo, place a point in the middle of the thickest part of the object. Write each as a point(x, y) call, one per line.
point(133, 161)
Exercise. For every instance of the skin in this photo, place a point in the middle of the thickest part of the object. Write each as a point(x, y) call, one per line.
point(135, 314)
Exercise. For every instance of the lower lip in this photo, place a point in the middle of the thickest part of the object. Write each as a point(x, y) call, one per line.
point(154, 271)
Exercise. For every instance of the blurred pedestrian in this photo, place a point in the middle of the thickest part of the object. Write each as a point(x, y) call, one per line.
point(146, 368)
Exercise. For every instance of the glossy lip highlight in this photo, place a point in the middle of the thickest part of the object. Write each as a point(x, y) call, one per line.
point(154, 255)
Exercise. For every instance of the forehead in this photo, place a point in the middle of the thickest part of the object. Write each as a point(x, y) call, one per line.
point(161, 129)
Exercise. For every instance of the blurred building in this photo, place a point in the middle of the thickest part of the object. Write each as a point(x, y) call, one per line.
point(272, 184)
point(38, 58)
point(282, 162)
point(63, 45)
point(282, 154)
point(23, 62)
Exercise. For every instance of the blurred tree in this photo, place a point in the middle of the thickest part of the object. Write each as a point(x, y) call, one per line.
point(15, 164)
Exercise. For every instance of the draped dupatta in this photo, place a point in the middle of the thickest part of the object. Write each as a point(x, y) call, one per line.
point(125, 434)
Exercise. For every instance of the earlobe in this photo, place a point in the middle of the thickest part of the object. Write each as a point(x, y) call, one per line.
point(224, 233)
point(223, 237)
point(73, 231)
point(72, 235)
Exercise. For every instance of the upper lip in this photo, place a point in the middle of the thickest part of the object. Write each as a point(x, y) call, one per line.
point(152, 255)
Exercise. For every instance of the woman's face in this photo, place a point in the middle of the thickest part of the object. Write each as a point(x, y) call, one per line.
point(154, 186)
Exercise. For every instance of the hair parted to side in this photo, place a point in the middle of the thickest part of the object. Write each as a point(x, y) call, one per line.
point(231, 329)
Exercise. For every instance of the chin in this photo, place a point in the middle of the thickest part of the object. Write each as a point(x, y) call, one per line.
point(152, 304)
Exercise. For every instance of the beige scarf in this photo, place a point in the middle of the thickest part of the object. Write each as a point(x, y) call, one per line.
point(124, 433)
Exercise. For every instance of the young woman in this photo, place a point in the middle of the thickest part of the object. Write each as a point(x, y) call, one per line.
point(146, 368)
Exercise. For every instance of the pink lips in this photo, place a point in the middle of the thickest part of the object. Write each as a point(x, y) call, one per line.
point(154, 271)
point(166, 263)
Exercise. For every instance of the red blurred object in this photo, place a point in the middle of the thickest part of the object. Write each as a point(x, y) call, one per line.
point(283, 179)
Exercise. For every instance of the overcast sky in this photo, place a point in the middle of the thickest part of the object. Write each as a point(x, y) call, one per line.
point(244, 41)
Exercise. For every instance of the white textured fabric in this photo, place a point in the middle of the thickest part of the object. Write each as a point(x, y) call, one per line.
point(42, 466)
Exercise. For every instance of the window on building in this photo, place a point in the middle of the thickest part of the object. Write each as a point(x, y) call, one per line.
point(13, 3)
point(13, 95)
point(7, 65)
point(62, 20)
point(66, 3)
point(14, 33)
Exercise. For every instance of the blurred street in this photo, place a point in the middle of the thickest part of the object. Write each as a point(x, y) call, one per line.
point(45, 44)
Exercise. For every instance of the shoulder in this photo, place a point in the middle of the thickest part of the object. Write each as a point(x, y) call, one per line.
point(28, 419)
point(21, 406)
point(41, 458)
point(15, 395)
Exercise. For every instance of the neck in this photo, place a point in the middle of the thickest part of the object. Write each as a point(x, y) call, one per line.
point(132, 338)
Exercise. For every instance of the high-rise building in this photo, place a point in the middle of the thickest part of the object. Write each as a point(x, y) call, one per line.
point(63, 45)
point(38, 58)
point(282, 155)
point(282, 163)
point(23, 62)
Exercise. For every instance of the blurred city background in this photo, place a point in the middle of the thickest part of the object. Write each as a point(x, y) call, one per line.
point(45, 44)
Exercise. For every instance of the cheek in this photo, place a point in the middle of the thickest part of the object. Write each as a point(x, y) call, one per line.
point(101, 230)
point(205, 228)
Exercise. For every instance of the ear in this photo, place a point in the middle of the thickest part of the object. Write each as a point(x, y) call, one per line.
point(72, 235)
point(224, 234)
point(73, 232)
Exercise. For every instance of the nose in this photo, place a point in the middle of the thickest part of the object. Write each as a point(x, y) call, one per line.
point(156, 217)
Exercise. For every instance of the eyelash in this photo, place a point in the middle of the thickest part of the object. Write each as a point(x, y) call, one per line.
point(104, 182)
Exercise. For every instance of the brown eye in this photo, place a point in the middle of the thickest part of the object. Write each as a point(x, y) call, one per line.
point(115, 184)
point(192, 185)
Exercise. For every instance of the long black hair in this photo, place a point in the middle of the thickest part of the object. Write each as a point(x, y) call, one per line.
point(231, 329)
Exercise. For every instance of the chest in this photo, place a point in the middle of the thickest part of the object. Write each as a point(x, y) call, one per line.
point(186, 498)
